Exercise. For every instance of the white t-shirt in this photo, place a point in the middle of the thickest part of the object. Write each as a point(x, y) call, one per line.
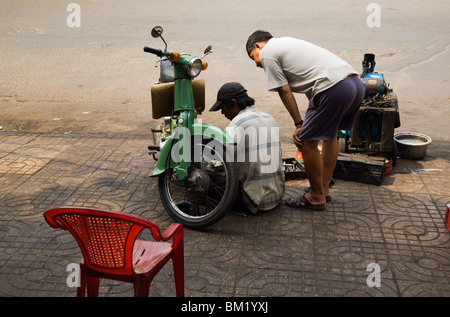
point(307, 68)
point(258, 158)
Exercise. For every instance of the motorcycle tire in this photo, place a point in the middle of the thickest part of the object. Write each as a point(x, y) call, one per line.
point(197, 209)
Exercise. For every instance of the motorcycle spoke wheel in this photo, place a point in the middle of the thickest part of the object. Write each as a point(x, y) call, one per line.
point(200, 207)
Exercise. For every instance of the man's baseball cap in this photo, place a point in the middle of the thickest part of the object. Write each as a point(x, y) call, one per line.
point(227, 92)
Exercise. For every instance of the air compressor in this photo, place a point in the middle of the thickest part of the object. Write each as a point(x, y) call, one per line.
point(377, 117)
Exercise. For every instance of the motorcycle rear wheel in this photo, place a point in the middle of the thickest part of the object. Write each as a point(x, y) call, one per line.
point(197, 209)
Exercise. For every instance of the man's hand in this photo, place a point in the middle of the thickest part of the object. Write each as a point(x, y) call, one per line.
point(298, 142)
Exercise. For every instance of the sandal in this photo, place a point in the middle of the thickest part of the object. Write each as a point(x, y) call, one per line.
point(304, 203)
point(308, 189)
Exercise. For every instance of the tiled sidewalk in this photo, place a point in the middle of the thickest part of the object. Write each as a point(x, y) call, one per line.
point(398, 226)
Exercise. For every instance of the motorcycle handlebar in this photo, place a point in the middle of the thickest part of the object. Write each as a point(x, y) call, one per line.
point(155, 51)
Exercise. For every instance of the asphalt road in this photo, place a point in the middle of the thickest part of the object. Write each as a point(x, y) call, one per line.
point(95, 78)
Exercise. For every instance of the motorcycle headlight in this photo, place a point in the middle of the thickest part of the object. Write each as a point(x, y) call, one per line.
point(195, 67)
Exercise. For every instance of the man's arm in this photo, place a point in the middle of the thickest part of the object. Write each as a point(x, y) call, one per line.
point(288, 99)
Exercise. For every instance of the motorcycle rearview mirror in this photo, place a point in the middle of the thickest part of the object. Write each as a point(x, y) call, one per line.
point(207, 51)
point(157, 32)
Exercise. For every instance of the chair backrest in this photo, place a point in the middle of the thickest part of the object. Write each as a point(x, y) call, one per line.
point(106, 238)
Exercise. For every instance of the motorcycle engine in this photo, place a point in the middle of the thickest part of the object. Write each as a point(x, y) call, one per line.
point(198, 180)
point(374, 84)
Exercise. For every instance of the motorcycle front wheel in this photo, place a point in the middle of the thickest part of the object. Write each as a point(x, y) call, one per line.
point(208, 192)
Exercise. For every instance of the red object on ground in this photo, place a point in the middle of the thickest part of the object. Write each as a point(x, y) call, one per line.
point(108, 242)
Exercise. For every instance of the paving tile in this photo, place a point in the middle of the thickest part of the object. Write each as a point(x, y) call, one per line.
point(398, 226)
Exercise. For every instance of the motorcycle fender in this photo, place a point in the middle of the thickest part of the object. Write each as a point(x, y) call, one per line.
point(162, 159)
point(209, 131)
point(203, 130)
point(165, 160)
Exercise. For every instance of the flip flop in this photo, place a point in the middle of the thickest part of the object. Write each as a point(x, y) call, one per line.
point(304, 203)
point(308, 189)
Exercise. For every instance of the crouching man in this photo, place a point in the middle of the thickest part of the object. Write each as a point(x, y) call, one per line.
point(258, 152)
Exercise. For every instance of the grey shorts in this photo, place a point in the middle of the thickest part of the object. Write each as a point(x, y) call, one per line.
point(332, 110)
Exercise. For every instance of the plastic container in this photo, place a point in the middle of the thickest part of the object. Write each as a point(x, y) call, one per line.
point(388, 164)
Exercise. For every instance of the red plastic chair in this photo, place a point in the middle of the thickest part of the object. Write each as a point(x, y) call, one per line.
point(108, 241)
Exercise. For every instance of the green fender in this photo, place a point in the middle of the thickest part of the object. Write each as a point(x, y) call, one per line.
point(199, 129)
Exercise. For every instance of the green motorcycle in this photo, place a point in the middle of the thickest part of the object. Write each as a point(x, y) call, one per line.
point(195, 160)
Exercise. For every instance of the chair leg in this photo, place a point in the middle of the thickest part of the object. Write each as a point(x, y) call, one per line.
point(142, 285)
point(178, 272)
point(82, 288)
point(92, 286)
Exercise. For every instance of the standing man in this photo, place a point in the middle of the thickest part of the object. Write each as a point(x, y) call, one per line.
point(258, 152)
point(335, 93)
